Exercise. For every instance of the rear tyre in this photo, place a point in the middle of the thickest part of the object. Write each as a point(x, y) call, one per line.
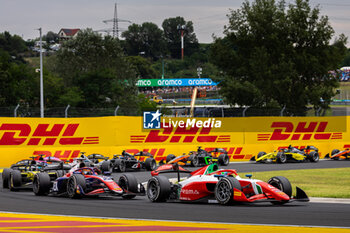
point(158, 189)
point(170, 157)
point(281, 157)
point(15, 180)
point(128, 183)
point(224, 193)
point(120, 165)
point(314, 156)
point(5, 178)
point(41, 184)
point(75, 184)
point(106, 166)
point(194, 161)
point(150, 164)
point(283, 184)
point(335, 151)
point(223, 160)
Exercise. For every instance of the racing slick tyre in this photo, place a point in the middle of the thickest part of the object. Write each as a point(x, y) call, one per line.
point(5, 178)
point(120, 165)
point(194, 160)
point(223, 160)
point(224, 190)
point(41, 184)
point(283, 184)
point(260, 154)
point(170, 157)
point(335, 151)
point(60, 173)
point(15, 180)
point(158, 189)
point(106, 166)
point(150, 164)
point(281, 157)
point(73, 184)
point(314, 156)
point(128, 183)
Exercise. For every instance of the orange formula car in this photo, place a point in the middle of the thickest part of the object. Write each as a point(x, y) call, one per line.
point(200, 158)
point(336, 154)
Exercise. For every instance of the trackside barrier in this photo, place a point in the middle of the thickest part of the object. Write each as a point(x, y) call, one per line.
point(21, 138)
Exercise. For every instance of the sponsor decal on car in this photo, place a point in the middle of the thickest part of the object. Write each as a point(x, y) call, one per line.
point(237, 194)
point(189, 192)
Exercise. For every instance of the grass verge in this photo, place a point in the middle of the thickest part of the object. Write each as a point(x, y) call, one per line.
point(333, 182)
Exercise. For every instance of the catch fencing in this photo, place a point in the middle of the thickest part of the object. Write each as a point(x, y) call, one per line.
point(169, 110)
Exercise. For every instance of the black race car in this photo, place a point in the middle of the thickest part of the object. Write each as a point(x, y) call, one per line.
point(119, 163)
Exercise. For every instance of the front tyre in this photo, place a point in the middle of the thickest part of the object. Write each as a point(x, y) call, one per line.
point(150, 164)
point(281, 157)
point(224, 192)
point(223, 160)
point(283, 184)
point(314, 156)
point(75, 184)
point(128, 183)
point(15, 180)
point(41, 184)
point(5, 178)
point(158, 189)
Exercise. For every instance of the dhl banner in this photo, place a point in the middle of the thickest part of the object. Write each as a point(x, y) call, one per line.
point(66, 138)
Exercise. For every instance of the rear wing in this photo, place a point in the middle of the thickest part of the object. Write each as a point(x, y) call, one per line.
point(141, 154)
point(97, 156)
point(170, 168)
point(60, 166)
point(309, 148)
point(218, 150)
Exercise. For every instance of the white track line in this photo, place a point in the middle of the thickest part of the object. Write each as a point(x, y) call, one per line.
point(330, 200)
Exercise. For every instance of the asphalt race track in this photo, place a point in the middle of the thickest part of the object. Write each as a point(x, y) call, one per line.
point(310, 214)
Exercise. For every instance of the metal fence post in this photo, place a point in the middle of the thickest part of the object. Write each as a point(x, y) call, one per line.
point(318, 111)
point(116, 110)
point(66, 111)
point(222, 112)
point(15, 111)
point(284, 108)
point(246, 108)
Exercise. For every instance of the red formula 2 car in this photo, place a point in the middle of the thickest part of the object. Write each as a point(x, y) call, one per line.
point(87, 181)
point(209, 184)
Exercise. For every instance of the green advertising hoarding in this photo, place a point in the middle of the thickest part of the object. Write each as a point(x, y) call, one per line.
point(179, 82)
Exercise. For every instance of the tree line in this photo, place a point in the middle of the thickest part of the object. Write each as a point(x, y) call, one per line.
point(272, 54)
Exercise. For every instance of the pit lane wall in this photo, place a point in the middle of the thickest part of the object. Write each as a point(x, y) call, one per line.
point(243, 138)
